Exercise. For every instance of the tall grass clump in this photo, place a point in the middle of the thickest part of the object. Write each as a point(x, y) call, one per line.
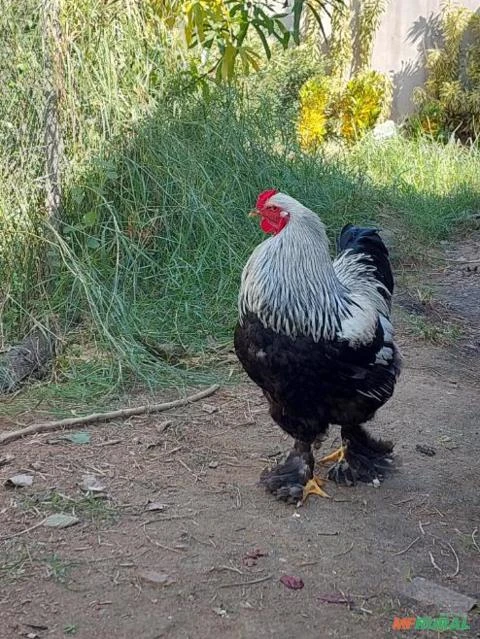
point(21, 158)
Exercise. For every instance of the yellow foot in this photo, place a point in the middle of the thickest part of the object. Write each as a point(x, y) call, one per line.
point(314, 487)
point(336, 456)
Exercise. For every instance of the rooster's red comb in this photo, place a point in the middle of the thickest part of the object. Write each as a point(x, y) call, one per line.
point(264, 197)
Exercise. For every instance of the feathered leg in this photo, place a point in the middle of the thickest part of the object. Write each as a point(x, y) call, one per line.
point(360, 458)
point(293, 481)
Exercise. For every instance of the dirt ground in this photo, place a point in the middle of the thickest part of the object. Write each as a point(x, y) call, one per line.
point(205, 558)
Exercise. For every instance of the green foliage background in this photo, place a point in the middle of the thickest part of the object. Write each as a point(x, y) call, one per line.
point(161, 167)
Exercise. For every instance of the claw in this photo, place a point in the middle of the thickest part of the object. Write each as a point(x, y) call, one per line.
point(313, 487)
point(337, 456)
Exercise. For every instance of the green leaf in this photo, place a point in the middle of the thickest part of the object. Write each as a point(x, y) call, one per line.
point(252, 57)
point(297, 14)
point(262, 37)
point(198, 16)
point(228, 62)
point(92, 242)
point(90, 218)
point(60, 520)
point(77, 438)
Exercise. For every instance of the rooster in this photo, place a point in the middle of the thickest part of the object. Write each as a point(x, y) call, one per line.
point(317, 338)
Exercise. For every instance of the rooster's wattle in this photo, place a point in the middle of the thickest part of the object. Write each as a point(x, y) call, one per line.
point(316, 336)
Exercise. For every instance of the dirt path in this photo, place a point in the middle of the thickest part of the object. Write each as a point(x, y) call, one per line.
point(202, 469)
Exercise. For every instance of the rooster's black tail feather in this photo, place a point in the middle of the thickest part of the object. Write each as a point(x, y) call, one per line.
point(364, 240)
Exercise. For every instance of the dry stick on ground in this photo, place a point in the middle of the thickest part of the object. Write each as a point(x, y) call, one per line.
point(402, 552)
point(246, 583)
point(71, 422)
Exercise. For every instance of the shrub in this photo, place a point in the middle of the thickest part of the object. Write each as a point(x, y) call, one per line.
point(315, 98)
point(349, 112)
point(365, 99)
point(450, 101)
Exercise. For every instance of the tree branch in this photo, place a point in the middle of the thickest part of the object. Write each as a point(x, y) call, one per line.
point(94, 418)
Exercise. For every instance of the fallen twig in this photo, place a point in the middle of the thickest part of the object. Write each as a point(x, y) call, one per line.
point(246, 583)
point(156, 543)
point(474, 534)
point(345, 552)
point(421, 524)
point(402, 552)
point(231, 568)
point(434, 564)
point(22, 532)
point(110, 442)
point(403, 501)
point(197, 478)
point(168, 518)
point(94, 418)
point(457, 560)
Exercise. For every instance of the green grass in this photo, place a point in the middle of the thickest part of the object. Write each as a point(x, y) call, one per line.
point(154, 232)
point(86, 507)
point(15, 558)
point(433, 331)
point(57, 569)
point(431, 188)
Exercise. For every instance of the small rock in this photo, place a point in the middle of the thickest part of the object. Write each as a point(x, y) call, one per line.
point(92, 484)
point(385, 130)
point(426, 450)
point(156, 505)
point(19, 481)
point(213, 464)
point(209, 408)
point(446, 599)
point(156, 578)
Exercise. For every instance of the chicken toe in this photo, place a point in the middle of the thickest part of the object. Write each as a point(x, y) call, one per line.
point(337, 456)
point(314, 487)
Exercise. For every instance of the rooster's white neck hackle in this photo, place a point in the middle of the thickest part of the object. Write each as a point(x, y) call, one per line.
point(292, 286)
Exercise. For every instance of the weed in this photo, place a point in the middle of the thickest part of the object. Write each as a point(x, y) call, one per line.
point(57, 568)
point(88, 507)
point(13, 559)
point(433, 331)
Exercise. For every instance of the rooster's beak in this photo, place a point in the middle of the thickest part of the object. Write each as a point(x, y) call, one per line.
point(254, 213)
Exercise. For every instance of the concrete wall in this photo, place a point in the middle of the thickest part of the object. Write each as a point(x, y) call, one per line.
point(408, 28)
